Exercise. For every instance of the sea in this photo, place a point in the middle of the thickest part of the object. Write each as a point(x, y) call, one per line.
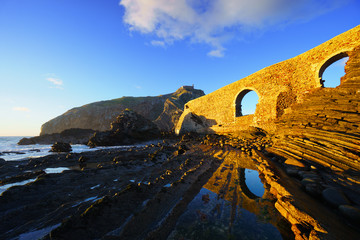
point(19, 152)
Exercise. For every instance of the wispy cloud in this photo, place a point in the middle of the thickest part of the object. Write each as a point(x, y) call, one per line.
point(214, 22)
point(158, 43)
point(57, 83)
point(21, 109)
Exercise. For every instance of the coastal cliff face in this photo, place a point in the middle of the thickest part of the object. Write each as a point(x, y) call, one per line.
point(164, 110)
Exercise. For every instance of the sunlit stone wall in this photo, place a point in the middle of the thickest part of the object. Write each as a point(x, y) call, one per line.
point(278, 87)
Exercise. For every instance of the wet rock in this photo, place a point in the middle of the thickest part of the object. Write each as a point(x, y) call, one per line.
point(307, 181)
point(350, 212)
point(12, 152)
point(292, 171)
point(310, 175)
point(314, 189)
point(61, 147)
point(82, 159)
point(2, 161)
point(334, 197)
point(205, 198)
point(34, 150)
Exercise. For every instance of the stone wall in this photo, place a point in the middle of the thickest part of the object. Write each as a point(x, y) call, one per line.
point(278, 86)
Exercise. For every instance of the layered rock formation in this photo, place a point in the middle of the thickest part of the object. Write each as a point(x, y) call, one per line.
point(164, 110)
point(324, 128)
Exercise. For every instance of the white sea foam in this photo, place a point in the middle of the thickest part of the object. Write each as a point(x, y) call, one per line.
point(9, 144)
point(56, 170)
point(7, 186)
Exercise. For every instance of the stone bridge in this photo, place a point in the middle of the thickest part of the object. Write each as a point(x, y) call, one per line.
point(278, 86)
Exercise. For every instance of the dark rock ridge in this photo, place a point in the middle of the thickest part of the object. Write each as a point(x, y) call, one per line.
point(129, 127)
point(61, 147)
point(164, 110)
point(73, 136)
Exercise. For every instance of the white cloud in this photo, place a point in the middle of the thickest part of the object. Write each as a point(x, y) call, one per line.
point(158, 43)
point(55, 81)
point(214, 22)
point(21, 109)
point(58, 83)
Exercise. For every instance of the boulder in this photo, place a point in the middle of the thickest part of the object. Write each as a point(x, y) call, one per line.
point(2, 161)
point(334, 197)
point(128, 128)
point(350, 212)
point(61, 147)
point(26, 141)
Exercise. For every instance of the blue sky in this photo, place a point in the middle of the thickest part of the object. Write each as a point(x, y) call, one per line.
point(60, 54)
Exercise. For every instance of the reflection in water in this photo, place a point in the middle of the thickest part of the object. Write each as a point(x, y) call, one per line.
point(253, 182)
point(216, 219)
point(233, 204)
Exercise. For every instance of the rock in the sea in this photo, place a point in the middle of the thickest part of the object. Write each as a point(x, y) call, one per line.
point(61, 147)
point(26, 141)
point(2, 161)
point(335, 197)
point(73, 136)
point(129, 127)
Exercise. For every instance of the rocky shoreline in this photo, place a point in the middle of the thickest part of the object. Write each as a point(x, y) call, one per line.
point(141, 192)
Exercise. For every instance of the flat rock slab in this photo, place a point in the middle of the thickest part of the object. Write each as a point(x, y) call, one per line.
point(294, 162)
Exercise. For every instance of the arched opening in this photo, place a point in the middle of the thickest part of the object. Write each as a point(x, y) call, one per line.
point(333, 69)
point(245, 103)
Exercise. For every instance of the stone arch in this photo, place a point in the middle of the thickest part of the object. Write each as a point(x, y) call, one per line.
point(329, 62)
point(239, 99)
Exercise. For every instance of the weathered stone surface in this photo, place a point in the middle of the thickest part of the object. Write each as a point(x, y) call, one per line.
point(279, 87)
point(2, 161)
